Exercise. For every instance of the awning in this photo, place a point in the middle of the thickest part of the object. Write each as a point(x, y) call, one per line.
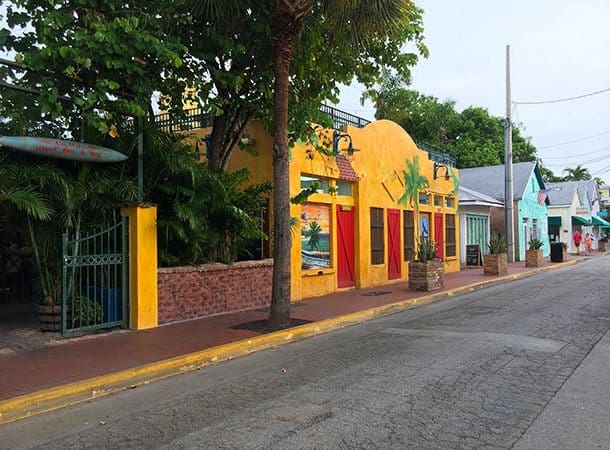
point(599, 221)
point(577, 220)
point(554, 221)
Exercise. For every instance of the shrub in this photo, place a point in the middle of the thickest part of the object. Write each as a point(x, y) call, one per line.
point(497, 245)
point(426, 250)
point(534, 244)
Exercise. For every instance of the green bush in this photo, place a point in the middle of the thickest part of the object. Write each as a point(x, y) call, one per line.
point(426, 250)
point(497, 245)
point(534, 244)
point(86, 312)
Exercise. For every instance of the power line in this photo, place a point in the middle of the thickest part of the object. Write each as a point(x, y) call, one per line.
point(575, 140)
point(601, 170)
point(559, 100)
point(576, 156)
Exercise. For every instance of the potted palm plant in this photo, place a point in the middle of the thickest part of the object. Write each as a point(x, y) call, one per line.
point(427, 272)
point(495, 262)
point(533, 255)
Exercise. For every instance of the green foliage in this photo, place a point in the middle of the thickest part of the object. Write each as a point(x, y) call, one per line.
point(426, 249)
point(497, 245)
point(473, 136)
point(86, 312)
point(302, 196)
point(577, 173)
point(534, 244)
point(108, 57)
point(232, 65)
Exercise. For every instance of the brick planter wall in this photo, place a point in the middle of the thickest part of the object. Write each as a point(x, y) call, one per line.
point(191, 292)
point(533, 258)
point(426, 276)
point(495, 264)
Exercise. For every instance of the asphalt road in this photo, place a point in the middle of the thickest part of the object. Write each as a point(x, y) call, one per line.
point(522, 364)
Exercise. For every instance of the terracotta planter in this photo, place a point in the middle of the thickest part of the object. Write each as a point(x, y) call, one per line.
point(534, 258)
point(495, 264)
point(427, 276)
point(49, 317)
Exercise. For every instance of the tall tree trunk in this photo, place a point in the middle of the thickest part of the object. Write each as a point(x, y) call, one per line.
point(216, 147)
point(286, 28)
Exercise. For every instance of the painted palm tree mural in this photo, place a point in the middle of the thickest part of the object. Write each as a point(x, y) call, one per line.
point(315, 236)
point(456, 188)
point(414, 183)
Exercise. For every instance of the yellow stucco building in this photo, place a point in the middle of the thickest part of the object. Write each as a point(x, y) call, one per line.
point(360, 228)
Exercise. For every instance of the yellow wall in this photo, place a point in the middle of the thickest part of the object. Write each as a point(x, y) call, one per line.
point(143, 308)
point(382, 150)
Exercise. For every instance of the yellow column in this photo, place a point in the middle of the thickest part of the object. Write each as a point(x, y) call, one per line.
point(142, 265)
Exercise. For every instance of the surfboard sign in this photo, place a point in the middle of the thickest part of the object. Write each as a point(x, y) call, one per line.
point(62, 149)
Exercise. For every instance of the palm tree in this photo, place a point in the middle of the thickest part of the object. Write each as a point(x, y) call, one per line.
point(577, 173)
point(414, 182)
point(359, 20)
point(314, 235)
point(363, 18)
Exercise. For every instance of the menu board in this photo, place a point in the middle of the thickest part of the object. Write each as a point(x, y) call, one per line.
point(473, 255)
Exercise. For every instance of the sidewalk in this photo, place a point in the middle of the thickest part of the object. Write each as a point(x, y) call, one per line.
point(81, 359)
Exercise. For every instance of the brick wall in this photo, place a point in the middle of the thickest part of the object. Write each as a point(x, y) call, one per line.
point(426, 276)
point(192, 292)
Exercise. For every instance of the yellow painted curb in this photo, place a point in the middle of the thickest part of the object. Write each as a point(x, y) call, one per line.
point(58, 397)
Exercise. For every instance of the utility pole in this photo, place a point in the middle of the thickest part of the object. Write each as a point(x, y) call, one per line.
point(509, 218)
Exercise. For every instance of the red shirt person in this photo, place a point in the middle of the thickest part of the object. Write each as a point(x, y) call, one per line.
point(577, 240)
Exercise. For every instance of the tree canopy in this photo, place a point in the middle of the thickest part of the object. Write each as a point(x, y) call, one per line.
point(473, 136)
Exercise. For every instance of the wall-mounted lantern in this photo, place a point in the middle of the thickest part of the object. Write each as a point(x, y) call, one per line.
point(337, 136)
point(438, 166)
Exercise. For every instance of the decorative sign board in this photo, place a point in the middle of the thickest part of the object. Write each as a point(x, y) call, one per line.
point(62, 149)
point(473, 255)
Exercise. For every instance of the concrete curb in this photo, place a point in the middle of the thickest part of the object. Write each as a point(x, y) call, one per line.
point(61, 396)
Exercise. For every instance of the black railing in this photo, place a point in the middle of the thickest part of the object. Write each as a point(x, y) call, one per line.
point(436, 154)
point(341, 118)
point(195, 118)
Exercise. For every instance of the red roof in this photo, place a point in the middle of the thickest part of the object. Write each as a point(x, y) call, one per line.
point(346, 171)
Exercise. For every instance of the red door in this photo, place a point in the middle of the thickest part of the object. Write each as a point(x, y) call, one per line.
point(438, 235)
point(345, 246)
point(393, 244)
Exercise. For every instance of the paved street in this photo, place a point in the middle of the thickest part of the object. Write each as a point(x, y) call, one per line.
point(524, 363)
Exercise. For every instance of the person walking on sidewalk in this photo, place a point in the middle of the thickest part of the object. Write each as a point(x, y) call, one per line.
point(577, 240)
point(588, 245)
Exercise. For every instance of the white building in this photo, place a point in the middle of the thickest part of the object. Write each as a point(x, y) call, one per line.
point(474, 209)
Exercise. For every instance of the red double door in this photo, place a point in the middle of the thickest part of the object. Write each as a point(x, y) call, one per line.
point(393, 244)
point(438, 235)
point(346, 276)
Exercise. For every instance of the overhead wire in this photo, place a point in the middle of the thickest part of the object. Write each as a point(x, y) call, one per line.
point(578, 155)
point(559, 100)
point(575, 140)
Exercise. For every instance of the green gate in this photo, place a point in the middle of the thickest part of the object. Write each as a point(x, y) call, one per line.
point(94, 279)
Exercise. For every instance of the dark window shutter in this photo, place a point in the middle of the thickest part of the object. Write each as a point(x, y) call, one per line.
point(377, 236)
point(450, 235)
point(408, 221)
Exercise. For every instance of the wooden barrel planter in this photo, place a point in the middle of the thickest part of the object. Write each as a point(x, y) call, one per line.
point(49, 317)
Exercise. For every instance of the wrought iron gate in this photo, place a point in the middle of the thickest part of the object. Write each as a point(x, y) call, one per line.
point(94, 279)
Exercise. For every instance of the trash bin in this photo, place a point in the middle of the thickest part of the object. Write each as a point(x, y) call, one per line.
point(557, 252)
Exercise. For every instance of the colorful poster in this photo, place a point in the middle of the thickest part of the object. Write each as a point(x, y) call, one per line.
point(315, 236)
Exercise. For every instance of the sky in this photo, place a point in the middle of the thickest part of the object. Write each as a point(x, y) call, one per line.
point(559, 49)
